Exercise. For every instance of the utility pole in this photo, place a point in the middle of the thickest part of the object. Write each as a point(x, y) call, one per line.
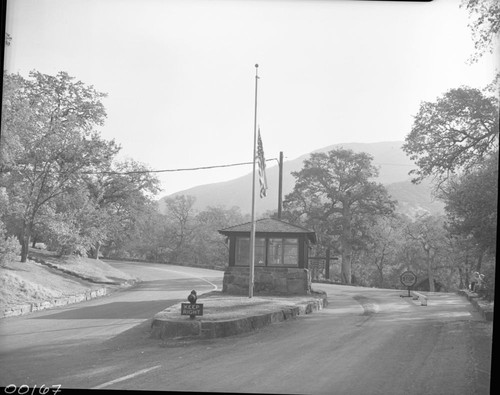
point(280, 185)
point(327, 264)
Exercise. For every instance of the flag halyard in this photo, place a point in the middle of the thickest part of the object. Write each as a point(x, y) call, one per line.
point(262, 167)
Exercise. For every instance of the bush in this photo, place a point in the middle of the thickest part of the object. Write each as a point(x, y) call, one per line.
point(10, 249)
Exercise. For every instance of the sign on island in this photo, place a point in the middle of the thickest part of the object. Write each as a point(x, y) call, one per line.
point(191, 309)
point(408, 279)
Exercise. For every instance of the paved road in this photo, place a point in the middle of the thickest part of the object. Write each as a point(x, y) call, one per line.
point(367, 341)
point(47, 346)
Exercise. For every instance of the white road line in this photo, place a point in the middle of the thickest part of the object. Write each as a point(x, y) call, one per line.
point(125, 377)
point(188, 275)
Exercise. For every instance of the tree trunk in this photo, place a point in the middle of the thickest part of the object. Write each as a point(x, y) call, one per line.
point(381, 276)
point(380, 267)
point(479, 261)
point(97, 248)
point(24, 249)
point(346, 271)
point(461, 274)
point(26, 235)
point(346, 268)
point(429, 271)
point(327, 264)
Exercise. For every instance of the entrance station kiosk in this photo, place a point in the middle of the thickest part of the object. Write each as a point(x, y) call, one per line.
point(281, 258)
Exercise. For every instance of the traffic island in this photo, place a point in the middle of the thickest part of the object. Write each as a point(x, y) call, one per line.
point(226, 315)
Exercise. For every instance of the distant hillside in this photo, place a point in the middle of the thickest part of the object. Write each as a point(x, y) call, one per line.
point(388, 157)
point(414, 200)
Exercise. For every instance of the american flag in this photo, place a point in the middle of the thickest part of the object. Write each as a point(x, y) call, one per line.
point(262, 167)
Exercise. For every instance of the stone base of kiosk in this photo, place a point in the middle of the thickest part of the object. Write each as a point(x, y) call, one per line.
point(267, 281)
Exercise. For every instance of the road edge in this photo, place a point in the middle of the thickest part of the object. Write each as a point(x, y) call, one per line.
point(485, 308)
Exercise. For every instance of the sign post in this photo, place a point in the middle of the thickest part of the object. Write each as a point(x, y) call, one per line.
point(408, 279)
point(192, 309)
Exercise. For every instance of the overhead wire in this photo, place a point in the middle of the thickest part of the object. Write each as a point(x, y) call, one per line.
point(201, 168)
point(174, 170)
point(170, 170)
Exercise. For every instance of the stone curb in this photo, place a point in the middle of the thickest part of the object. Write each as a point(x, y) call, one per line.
point(58, 302)
point(48, 304)
point(178, 329)
point(421, 297)
point(485, 308)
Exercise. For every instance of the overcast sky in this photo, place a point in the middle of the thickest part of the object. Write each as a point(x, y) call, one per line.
point(180, 74)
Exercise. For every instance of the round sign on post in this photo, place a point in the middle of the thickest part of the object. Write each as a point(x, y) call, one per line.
point(408, 279)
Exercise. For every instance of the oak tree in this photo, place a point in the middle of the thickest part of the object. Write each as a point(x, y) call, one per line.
point(179, 217)
point(428, 232)
point(335, 195)
point(122, 193)
point(471, 206)
point(453, 134)
point(49, 138)
point(484, 22)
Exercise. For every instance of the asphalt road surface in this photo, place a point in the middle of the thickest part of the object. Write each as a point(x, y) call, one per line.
point(367, 341)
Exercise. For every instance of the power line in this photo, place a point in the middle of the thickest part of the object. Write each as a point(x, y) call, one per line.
point(202, 168)
point(173, 170)
point(206, 168)
point(156, 171)
point(394, 164)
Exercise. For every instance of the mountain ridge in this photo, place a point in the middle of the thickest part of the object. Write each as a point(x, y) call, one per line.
point(388, 156)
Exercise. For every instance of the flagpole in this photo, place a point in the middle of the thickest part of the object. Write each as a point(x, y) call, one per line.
point(280, 185)
point(252, 233)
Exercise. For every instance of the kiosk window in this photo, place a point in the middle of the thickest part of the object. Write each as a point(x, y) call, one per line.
point(283, 252)
point(243, 251)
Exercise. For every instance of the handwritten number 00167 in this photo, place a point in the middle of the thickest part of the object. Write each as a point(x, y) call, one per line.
point(25, 389)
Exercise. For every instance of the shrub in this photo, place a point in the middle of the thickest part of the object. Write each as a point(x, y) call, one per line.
point(10, 249)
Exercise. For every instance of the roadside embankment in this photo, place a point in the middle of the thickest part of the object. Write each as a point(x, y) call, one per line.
point(26, 308)
point(483, 306)
point(45, 281)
